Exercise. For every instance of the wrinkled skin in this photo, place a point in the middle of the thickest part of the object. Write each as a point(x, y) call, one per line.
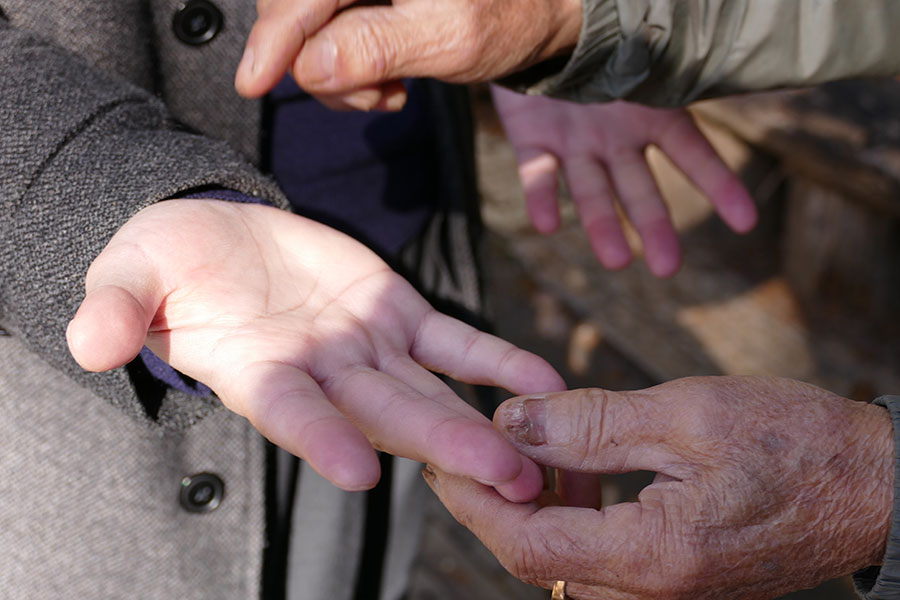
point(355, 54)
point(306, 333)
point(601, 150)
point(764, 486)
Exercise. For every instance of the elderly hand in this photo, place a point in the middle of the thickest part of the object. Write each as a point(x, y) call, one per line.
point(763, 486)
point(307, 334)
point(360, 54)
point(600, 148)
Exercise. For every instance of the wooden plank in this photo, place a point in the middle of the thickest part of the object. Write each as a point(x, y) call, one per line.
point(843, 135)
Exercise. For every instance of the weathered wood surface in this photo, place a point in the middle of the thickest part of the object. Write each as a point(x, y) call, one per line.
point(838, 251)
point(843, 135)
point(841, 145)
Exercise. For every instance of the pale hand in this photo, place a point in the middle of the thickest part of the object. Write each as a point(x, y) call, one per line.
point(356, 56)
point(764, 486)
point(307, 334)
point(600, 149)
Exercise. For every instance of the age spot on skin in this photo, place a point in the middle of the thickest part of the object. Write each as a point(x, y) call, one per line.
point(772, 443)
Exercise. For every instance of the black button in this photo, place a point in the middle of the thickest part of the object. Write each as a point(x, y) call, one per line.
point(197, 22)
point(202, 492)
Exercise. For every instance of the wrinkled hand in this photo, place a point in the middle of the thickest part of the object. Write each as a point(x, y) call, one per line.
point(600, 148)
point(358, 56)
point(763, 486)
point(307, 334)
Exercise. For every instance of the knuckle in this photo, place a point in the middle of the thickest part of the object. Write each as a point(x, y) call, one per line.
point(592, 422)
point(700, 412)
point(595, 426)
point(372, 52)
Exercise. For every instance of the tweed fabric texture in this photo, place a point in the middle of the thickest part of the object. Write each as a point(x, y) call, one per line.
point(92, 511)
point(82, 152)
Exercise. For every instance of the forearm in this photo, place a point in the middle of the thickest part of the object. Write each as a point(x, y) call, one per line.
point(672, 52)
point(82, 152)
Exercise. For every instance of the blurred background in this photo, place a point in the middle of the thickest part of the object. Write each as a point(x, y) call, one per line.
point(809, 294)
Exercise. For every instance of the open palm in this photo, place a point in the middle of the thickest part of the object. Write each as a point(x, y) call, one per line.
point(307, 334)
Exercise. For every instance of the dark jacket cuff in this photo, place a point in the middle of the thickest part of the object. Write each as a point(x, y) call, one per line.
point(599, 38)
point(883, 582)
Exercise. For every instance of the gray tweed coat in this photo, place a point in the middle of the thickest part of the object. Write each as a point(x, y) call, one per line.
point(107, 106)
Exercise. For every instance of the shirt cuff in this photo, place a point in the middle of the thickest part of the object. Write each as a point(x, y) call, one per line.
point(223, 194)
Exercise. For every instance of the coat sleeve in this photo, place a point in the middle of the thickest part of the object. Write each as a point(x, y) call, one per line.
point(672, 52)
point(80, 153)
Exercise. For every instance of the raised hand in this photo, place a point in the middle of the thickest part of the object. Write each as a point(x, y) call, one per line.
point(307, 334)
point(600, 150)
point(763, 486)
point(359, 55)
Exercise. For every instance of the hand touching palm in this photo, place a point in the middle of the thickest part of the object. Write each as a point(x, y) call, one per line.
point(307, 334)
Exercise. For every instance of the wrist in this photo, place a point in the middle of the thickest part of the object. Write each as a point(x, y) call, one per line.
point(566, 28)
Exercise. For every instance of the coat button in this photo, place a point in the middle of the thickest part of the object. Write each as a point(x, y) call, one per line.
point(197, 22)
point(202, 492)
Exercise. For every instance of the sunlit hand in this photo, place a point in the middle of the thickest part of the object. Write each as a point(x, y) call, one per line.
point(358, 56)
point(307, 334)
point(601, 150)
point(764, 486)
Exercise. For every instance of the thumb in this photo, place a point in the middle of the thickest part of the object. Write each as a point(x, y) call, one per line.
point(122, 295)
point(280, 31)
point(590, 430)
point(370, 45)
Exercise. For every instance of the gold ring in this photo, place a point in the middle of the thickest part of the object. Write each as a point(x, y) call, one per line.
point(559, 591)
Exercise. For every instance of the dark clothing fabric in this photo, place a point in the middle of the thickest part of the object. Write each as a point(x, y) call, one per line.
point(370, 175)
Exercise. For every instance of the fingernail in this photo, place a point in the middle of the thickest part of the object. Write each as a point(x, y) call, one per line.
point(395, 102)
point(525, 421)
point(364, 100)
point(430, 478)
point(318, 63)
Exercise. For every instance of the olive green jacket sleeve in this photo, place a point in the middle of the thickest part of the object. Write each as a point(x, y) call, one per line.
point(672, 52)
